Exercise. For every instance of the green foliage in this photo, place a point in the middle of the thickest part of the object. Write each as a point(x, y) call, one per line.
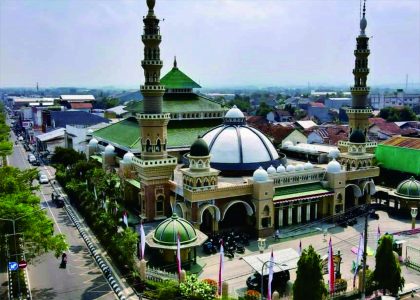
point(309, 282)
point(340, 285)
point(396, 114)
point(371, 284)
point(124, 246)
point(66, 157)
point(388, 271)
point(242, 102)
point(18, 202)
point(194, 289)
point(263, 109)
point(170, 290)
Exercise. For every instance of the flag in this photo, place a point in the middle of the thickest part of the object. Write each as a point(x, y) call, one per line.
point(300, 248)
point(331, 267)
point(94, 193)
point(270, 275)
point(378, 236)
point(358, 257)
point(115, 208)
point(125, 219)
point(142, 240)
point(222, 253)
point(178, 256)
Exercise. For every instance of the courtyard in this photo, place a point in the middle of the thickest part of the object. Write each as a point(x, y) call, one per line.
point(236, 270)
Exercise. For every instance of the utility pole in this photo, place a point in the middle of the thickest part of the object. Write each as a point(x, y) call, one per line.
point(365, 255)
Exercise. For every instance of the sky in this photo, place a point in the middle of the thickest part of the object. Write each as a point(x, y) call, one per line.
point(218, 43)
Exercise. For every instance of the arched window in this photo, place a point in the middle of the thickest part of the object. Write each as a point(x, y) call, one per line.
point(206, 182)
point(198, 183)
point(148, 146)
point(154, 77)
point(158, 146)
point(160, 205)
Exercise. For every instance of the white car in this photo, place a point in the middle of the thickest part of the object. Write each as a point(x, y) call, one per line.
point(20, 138)
point(43, 178)
point(31, 158)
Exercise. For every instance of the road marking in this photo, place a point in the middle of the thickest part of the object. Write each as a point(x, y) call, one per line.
point(49, 208)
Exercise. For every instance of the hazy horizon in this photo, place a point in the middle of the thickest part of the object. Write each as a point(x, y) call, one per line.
point(217, 43)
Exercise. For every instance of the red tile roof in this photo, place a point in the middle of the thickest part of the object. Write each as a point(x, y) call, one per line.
point(376, 121)
point(81, 105)
point(316, 104)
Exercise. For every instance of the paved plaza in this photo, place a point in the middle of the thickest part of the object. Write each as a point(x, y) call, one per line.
point(236, 270)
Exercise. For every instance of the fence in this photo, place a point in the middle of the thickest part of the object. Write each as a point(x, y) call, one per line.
point(412, 258)
point(158, 275)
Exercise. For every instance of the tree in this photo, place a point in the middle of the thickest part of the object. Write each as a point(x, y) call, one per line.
point(396, 114)
point(309, 282)
point(17, 201)
point(387, 271)
point(66, 157)
point(263, 109)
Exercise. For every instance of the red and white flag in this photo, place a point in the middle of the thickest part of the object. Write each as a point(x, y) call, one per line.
point(331, 267)
point(142, 240)
point(222, 253)
point(125, 218)
point(178, 256)
point(300, 248)
point(270, 275)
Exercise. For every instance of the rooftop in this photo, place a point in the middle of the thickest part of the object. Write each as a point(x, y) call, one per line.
point(75, 117)
point(403, 142)
point(176, 79)
point(77, 97)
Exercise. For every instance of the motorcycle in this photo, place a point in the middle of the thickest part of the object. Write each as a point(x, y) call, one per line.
point(63, 261)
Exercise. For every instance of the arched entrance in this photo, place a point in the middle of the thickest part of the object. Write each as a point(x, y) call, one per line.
point(237, 215)
point(353, 192)
point(209, 218)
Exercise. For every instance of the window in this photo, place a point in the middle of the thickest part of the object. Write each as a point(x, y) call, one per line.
point(160, 205)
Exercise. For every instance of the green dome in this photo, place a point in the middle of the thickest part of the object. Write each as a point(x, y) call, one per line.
point(199, 148)
point(167, 231)
point(357, 136)
point(409, 188)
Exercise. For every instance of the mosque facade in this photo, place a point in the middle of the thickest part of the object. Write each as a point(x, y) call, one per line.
point(233, 176)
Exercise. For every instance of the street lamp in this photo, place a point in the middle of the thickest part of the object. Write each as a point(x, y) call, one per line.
point(14, 231)
point(261, 244)
point(414, 211)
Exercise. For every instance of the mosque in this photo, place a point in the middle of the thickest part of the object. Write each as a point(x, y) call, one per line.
point(231, 176)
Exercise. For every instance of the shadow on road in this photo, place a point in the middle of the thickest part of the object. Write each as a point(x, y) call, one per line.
point(47, 293)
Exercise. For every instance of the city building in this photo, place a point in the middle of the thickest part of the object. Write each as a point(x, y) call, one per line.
point(398, 98)
point(77, 102)
point(337, 103)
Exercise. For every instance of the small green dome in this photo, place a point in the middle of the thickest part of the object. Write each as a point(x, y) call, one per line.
point(167, 231)
point(357, 136)
point(199, 148)
point(409, 188)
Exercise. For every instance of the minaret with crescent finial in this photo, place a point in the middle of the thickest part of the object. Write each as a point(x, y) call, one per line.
point(155, 167)
point(358, 144)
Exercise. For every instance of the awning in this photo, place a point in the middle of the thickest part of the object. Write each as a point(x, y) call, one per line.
point(97, 158)
point(134, 182)
point(284, 259)
point(302, 192)
point(55, 134)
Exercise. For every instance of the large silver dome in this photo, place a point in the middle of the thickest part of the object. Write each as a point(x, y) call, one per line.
point(234, 146)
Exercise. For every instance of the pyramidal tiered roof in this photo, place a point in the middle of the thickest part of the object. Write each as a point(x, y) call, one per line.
point(176, 79)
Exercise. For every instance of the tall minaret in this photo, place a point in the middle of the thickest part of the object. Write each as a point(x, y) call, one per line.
point(359, 113)
point(153, 122)
point(154, 168)
point(358, 148)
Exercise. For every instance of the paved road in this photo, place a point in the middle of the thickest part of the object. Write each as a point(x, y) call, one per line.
point(82, 279)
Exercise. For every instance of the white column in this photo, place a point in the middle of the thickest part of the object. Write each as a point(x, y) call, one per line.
point(308, 212)
point(316, 210)
point(289, 217)
point(280, 217)
point(299, 213)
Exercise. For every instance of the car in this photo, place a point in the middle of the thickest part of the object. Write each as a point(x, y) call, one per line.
point(31, 158)
point(20, 138)
point(42, 178)
point(279, 282)
point(36, 162)
point(57, 199)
